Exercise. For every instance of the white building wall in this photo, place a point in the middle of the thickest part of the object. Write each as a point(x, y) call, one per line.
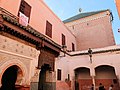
point(72, 62)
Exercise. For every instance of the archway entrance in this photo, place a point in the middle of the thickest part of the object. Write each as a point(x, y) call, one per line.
point(11, 78)
point(106, 75)
point(83, 79)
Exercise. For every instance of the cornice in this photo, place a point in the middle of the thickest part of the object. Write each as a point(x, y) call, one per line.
point(95, 52)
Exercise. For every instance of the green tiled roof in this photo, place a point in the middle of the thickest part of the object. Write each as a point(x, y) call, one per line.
point(82, 15)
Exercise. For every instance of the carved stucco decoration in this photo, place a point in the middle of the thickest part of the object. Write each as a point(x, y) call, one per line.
point(35, 78)
point(7, 61)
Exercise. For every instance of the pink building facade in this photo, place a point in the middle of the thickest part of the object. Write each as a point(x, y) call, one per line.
point(104, 68)
point(40, 13)
point(92, 29)
point(37, 36)
point(80, 70)
point(33, 54)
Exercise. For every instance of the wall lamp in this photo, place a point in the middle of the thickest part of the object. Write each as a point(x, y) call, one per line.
point(64, 49)
point(90, 54)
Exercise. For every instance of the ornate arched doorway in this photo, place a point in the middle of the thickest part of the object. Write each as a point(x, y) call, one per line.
point(12, 78)
point(83, 79)
point(106, 75)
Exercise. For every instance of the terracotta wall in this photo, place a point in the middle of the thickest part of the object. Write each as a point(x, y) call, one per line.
point(39, 14)
point(106, 83)
point(118, 6)
point(84, 84)
point(61, 85)
point(111, 59)
point(93, 32)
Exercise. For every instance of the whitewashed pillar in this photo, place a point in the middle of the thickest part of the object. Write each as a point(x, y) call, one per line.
point(117, 72)
point(92, 73)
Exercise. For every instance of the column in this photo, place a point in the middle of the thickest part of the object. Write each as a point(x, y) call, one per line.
point(50, 80)
point(117, 72)
point(92, 73)
point(93, 81)
point(35, 80)
point(118, 78)
point(72, 79)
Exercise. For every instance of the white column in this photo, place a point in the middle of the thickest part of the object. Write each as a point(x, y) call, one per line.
point(117, 72)
point(92, 73)
point(118, 78)
point(93, 81)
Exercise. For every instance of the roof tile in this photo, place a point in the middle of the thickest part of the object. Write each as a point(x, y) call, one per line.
point(82, 15)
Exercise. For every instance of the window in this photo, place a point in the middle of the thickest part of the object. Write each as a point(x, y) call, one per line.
point(58, 74)
point(25, 8)
point(48, 29)
point(73, 47)
point(63, 39)
point(73, 27)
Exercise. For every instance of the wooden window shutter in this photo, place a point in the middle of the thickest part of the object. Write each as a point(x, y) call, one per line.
point(58, 74)
point(73, 47)
point(48, 29)
point(63, 40)
point(25, 8)
point(22, 6)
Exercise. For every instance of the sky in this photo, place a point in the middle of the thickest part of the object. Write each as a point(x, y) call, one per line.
point(68, 8)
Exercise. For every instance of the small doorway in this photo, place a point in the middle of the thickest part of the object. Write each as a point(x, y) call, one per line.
point(42, 78)
point(10, 78)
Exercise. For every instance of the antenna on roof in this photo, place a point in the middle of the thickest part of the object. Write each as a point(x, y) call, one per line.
point(80, 10)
